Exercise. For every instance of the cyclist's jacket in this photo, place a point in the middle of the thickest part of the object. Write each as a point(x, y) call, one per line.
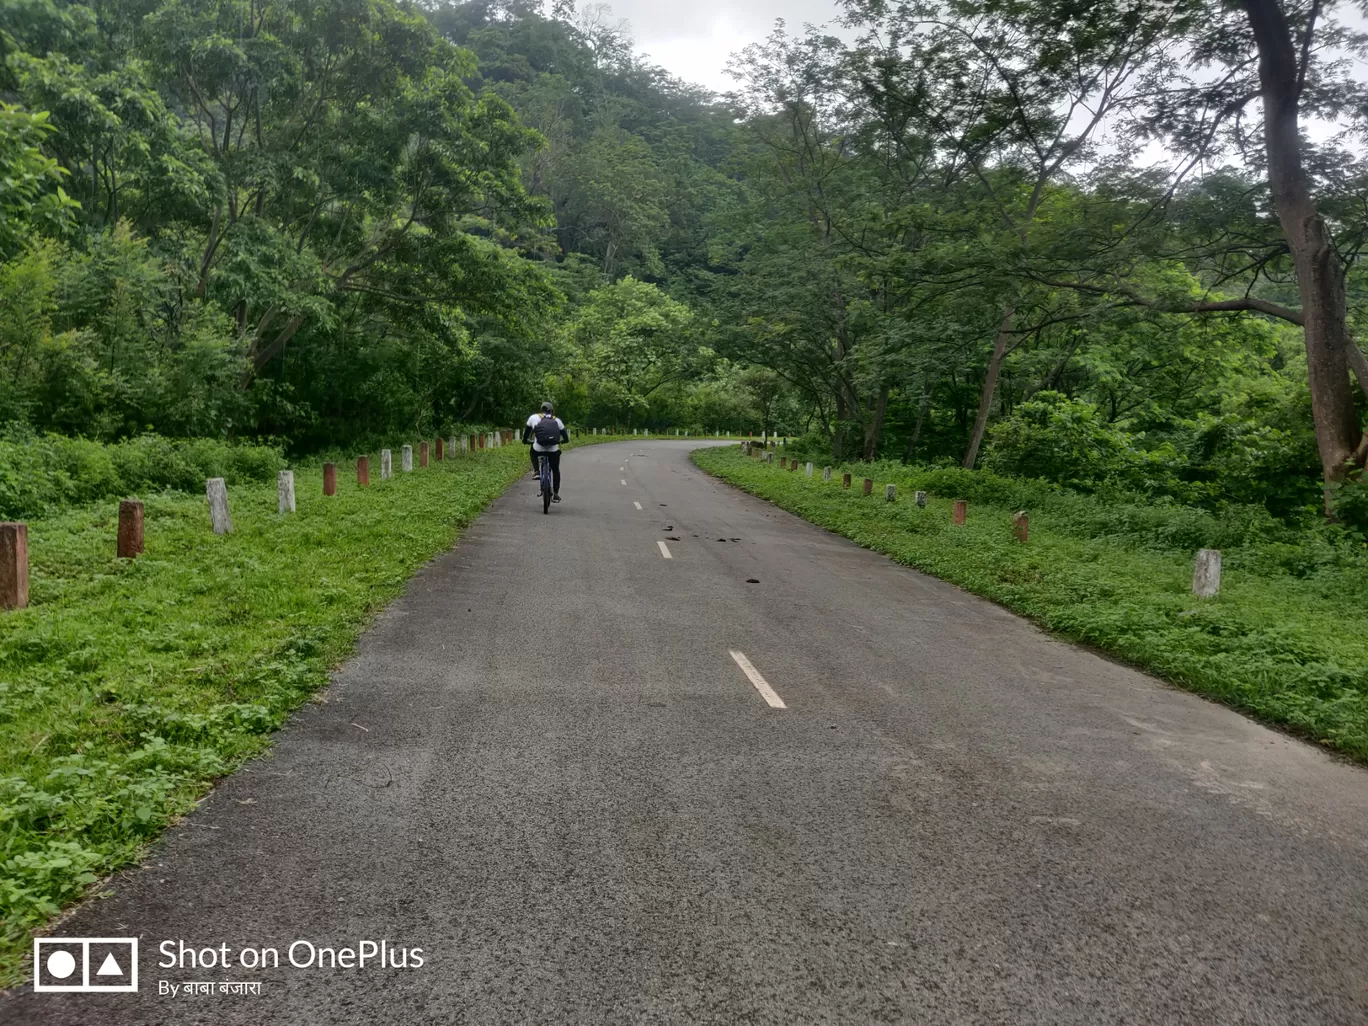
point(545, 433)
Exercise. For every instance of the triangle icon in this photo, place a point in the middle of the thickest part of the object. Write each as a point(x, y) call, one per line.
point(109, 967)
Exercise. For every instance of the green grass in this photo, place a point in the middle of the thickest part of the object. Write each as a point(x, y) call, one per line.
point(127, 687)
point(1286, 640)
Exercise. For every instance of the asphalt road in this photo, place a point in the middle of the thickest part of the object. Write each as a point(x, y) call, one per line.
point(545, 769)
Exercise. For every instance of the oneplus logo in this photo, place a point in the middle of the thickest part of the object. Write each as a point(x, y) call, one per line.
point(91, 965)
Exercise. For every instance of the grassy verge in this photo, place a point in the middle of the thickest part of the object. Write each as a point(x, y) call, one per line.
point(127, 687)
point(1286, 640)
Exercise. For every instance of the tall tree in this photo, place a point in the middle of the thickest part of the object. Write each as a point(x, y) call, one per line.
point(1020, 86)
point(1283, 72)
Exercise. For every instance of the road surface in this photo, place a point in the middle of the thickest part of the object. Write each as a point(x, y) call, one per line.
point(896, 803)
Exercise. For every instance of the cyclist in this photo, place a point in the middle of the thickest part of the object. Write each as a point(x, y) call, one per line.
point(546, 432)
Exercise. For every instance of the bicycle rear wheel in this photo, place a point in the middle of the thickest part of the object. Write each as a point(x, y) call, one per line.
point(546, 484)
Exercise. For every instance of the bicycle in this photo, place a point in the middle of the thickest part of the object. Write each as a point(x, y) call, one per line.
point(544, 472)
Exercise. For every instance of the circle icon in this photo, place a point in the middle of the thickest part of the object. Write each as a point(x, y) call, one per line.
point(61, 964)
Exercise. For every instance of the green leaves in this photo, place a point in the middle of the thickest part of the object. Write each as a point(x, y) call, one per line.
point(630, 340)
point(257, 179)
point(31, 184)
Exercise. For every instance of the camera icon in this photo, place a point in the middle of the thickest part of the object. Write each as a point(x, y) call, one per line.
point(93, 965)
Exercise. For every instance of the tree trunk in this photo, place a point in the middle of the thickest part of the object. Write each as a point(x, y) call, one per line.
point(1318, 269)
point(838, 436)
point(871, 441)
point(922, 409)
point(259, 356)
point(990, 381)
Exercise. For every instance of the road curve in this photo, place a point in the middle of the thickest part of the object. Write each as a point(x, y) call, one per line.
point(548, 769)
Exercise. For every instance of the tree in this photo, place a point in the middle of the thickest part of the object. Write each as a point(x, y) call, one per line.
point(765, 388)
point(1013, 93)
point(631, 341)
point(1286, 56)
point(1282, 80)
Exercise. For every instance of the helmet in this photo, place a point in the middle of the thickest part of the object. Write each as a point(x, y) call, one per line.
point(547, 408)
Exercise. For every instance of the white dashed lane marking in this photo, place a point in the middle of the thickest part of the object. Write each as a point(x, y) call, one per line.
point(761, 685)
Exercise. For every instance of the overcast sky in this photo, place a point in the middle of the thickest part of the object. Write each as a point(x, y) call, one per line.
point(694, 38)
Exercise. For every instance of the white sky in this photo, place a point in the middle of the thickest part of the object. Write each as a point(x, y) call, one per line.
point(694, 39)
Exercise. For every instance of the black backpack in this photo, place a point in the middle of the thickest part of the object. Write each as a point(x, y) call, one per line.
point(547, 432)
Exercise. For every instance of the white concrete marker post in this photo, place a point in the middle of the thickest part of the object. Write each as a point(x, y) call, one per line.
point(386, 465)
point(1206, 574)
point(890, 493)
point(826, 473)
point(219, 517)
point(285, 491)
point(406, 459)
point(808, 470)
point(920, 498)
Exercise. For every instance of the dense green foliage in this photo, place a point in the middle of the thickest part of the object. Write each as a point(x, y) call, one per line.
point(328, 223)
point(1287, 639)
point(40, 476)
point(294, 219)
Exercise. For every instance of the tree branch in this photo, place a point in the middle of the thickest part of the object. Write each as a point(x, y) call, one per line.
point(1262, 306)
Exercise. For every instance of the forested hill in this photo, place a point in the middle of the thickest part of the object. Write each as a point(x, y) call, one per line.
point(1033, 237)
point(635, 163)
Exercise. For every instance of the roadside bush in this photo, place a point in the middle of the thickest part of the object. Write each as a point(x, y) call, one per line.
point(1351, 505)
point(1130, 519)
point(41, 474)
point(814, 446)
point(1066, 441)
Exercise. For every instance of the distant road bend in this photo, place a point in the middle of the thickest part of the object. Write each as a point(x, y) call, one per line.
point(600, 777)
